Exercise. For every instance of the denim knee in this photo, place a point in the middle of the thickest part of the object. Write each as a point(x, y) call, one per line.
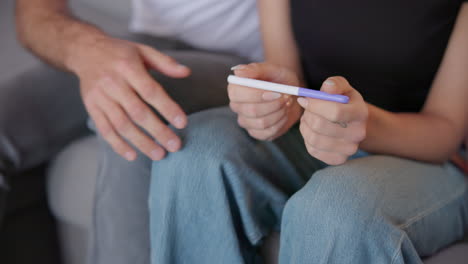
point(340, 197)
point(334, 214)
point(211, 140)
point(209, 137)
point(368, 190)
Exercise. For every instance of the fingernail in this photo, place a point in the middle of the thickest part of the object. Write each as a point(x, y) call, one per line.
point(182, 67)
point(130, 156)
point(157, 154)
point(303, 102)
point(270, 96)
point(173, 145)
point(179, 122)
point(329, 82)
point(239, 67)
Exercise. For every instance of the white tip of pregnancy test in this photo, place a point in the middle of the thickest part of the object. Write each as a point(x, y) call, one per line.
point(267, 86)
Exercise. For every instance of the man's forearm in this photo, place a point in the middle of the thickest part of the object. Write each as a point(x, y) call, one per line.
point(418, 136)
point(47, 28)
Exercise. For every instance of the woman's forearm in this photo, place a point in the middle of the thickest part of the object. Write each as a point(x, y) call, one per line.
point(436, 132)
point(46, 28)
point(277, 35)
point(420, 136)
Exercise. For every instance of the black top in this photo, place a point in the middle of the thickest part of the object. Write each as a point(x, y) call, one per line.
point(388, 50)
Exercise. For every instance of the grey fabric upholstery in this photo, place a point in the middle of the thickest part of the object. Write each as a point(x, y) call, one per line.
point(457, 254)
point(71, 183)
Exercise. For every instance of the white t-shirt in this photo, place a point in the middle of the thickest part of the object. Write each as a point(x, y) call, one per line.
point(219, 25)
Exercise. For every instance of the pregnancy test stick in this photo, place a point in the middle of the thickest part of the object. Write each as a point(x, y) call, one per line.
point(287, 89)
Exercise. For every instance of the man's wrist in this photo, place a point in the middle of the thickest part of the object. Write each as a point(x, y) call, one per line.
point(77, 43)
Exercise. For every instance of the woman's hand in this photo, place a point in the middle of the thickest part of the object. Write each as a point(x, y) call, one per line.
point(265, 115)
point(119, 94)
point(332, 131)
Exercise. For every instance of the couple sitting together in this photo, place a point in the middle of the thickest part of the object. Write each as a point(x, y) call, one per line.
point(194, 170)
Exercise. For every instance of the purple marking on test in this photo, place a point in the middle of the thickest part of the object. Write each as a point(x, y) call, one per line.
point(323, 96)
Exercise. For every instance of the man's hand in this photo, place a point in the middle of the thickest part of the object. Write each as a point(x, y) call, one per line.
point(116, 87)
point(332, 131)
point(118, 93)
point(265, 115)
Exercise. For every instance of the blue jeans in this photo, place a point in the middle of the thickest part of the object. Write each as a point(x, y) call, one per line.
point(217, 199)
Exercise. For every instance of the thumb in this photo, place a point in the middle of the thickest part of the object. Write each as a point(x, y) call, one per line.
point(336, 85)
point(163, 63)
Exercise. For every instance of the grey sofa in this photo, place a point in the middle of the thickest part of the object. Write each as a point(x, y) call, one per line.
point(71, 175)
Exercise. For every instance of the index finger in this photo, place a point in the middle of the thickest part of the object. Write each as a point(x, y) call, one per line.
point(332, 111)
point(243, 94)
point(153, 93)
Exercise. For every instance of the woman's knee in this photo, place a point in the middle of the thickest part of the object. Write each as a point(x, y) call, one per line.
point(212, 139)
point(343, 197)
point(385, 187)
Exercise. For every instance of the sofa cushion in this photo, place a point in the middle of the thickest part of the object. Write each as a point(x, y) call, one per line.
point(457, 254)
point(71, 182)
point(70, 186)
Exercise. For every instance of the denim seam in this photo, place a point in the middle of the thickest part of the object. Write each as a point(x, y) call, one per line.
point(256, 234)
point(397, 252)
point(432, 209)
point(422, 215)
